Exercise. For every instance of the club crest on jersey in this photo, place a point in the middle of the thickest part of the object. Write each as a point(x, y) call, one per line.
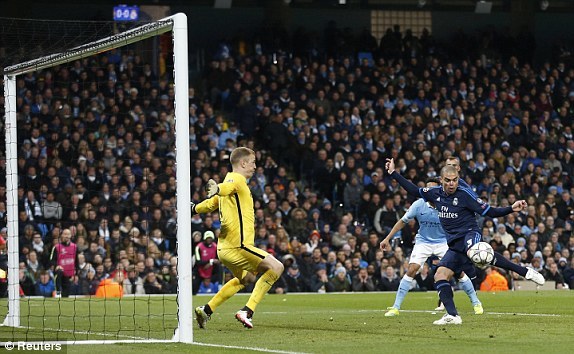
point(455, 201)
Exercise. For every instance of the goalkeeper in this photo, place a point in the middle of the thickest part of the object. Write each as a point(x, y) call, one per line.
point(235, 247)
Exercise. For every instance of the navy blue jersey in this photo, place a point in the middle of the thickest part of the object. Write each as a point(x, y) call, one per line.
point(456, 212)
point(462, 184)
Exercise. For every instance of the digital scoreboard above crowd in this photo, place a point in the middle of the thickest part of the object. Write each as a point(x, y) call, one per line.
point(126, 13)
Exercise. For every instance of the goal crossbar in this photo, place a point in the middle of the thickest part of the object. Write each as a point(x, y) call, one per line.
point(177, 24)
point(118, 40)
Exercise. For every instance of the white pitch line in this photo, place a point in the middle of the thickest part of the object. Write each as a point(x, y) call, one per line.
point(266, 350)
point(486, 313)
point(524, 314)
point(414, 311)
point(90, 332)
point(256, 349)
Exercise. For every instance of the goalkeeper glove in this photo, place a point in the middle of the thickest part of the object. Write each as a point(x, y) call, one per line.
point(211, 188)
point(193, 211)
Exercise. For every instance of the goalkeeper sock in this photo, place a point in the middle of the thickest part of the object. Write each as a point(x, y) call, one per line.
point(228, 290)
point(501, 262)
point(261, 288)
point(446, 296)
point(468, 287)
point(248, 310)
point(207, 310)
point(404, 287)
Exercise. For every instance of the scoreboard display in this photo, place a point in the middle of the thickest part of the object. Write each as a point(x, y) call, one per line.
point(126, 13)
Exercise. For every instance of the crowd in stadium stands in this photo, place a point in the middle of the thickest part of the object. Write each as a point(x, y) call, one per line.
point(97, 157)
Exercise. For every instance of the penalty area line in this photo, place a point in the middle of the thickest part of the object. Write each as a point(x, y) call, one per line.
point(256, 349)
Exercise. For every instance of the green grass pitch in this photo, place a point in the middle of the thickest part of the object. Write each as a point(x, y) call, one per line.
point(514, 322)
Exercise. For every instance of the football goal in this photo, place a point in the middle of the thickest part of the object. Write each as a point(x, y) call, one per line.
point(97, 194)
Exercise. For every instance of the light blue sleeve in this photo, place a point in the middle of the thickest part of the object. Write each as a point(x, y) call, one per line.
point(412, 211)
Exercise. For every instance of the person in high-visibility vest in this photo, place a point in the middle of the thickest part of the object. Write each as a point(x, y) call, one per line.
point(111, 287)
point(494, 281)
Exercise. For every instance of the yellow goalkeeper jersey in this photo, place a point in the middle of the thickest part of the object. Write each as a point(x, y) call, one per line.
point(236, 212)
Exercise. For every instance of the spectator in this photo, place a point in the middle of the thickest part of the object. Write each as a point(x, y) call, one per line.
point(207, 287)
point(362, 281)
point(89, 284)
point(33, 265)
point(341, 236)
point(386, 217)
point(294, 280)
point(133, 284)
point(152, 284)
point(26, 283)
point(320, 281)
point(52, 210)
point(45, 285)
point(389, 281)
point(504, 236)
point(494, 281)
point(424, 279)
point(340, 281)
point(552, 273)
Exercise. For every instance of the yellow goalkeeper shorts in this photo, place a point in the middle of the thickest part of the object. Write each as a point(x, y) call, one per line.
point(241, 260)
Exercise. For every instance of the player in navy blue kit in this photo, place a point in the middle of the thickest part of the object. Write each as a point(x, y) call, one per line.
point(430, 241)
point(457, 207)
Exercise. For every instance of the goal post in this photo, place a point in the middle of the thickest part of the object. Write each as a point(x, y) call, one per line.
point(177, 24)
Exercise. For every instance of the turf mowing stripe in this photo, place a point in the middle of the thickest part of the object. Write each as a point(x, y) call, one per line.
point(246, 348)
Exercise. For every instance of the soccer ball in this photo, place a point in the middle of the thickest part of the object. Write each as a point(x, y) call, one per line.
point(481, 254)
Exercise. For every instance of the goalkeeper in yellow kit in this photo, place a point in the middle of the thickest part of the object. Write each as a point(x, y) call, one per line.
point(235, 246)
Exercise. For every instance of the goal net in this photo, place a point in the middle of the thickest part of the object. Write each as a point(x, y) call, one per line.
point(96, 178)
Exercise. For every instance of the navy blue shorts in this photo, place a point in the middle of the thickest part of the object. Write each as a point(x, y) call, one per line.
point(456, 259)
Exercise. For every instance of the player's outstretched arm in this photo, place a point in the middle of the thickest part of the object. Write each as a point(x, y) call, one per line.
point(385, 244)
point(519, 205)
point(516, 207)
point(410, 187)
point(206, 206)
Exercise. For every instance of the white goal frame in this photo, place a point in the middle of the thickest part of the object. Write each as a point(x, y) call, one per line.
point(177, 24)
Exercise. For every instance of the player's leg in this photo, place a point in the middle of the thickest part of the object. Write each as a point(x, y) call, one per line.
point(501, 262)
point(419, 255)
point(442, 284)
point(404, 288)
point(233, 260)
point(270, 269)
point(468, 273)
point(465, 282)
point(528, 273)
point(439, 251)
point(231, 288)
point(451, 263)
